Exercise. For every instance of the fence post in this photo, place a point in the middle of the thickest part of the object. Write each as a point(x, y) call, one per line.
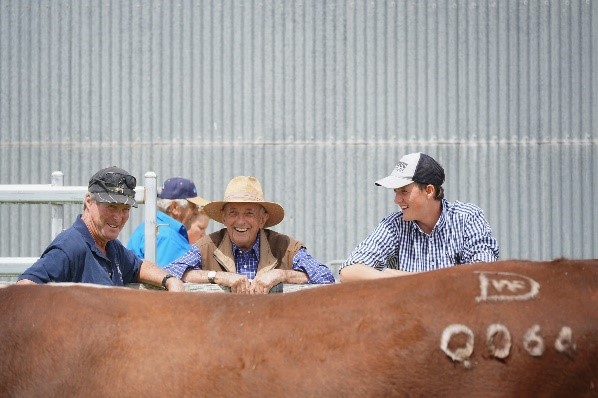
point(150, 199)
point(57, 209)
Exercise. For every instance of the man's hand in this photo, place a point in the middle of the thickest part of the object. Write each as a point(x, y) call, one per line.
point(175, 285)
point(237, 283)
point(264, 281)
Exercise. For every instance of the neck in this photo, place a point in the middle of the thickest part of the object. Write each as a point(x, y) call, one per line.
point(429, 222)
point(100, 243)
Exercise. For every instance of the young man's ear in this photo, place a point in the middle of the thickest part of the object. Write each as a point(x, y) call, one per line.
point(430, 190)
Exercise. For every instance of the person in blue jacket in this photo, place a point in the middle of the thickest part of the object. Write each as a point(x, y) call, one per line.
point(178, 208)
point(89, 251)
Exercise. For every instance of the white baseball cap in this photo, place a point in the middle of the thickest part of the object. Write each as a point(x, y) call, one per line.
point(414, 167)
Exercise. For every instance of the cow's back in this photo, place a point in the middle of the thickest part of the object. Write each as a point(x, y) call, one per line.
point(500, 329)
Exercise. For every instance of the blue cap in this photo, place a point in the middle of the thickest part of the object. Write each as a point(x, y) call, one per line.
point(181, 188)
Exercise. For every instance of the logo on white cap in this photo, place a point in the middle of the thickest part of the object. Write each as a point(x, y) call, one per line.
point(400, 167)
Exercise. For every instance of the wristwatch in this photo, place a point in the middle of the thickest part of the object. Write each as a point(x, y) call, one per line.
point(212, 276)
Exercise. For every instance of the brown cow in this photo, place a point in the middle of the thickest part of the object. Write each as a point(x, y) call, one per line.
point(503, 329)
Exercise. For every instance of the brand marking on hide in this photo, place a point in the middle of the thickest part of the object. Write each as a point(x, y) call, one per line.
point(498, 340)
point(533, 342)
point(459, 354)
point(564, 342)
point(506, 286)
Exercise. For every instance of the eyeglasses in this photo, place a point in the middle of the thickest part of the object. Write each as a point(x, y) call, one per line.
point(112, 179)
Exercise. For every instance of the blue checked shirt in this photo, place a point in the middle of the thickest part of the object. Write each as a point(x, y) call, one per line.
point(246, 263)
point(461, 236)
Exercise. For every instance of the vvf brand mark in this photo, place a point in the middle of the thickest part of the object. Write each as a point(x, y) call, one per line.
point(506, 286)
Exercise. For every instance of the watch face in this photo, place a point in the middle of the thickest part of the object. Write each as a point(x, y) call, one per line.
point(211, 276)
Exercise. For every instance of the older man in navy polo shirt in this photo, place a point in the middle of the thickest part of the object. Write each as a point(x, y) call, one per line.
point(89, 250)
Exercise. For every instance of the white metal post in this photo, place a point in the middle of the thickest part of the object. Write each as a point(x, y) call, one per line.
point(57, 209)
point(150, 199)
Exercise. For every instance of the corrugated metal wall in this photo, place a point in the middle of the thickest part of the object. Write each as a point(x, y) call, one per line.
point(317, 99)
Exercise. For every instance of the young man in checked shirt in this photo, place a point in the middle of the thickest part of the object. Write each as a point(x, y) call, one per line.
point(246, 256)
point(427, 233)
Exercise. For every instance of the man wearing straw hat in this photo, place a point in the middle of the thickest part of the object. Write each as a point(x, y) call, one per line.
point(246, 256)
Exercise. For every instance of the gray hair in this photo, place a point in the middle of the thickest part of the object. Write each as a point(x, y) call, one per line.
point(163, 204)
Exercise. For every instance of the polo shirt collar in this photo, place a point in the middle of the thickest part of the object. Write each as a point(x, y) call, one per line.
point(80, 226)
point(173, 223)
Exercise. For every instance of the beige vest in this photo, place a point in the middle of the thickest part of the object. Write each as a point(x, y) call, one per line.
point(276, 251)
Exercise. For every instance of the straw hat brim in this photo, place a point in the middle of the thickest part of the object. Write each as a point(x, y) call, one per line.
point(198, 201)
point(275, 211)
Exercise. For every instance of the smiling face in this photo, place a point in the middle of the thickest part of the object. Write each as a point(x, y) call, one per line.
point(104, 220)
point(418, 204)
point(243, 222)
point(411, 199)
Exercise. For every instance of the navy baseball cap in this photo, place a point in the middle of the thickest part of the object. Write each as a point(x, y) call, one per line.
point(414, 167)
point(113, 185)
point(181, 188)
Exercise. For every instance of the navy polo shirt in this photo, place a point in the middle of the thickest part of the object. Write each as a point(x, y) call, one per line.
point(74, 257)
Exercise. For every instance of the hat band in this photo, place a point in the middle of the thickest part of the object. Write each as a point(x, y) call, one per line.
point(110, 188)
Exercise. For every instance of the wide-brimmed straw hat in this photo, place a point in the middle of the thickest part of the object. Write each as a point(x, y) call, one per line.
point(244, 189)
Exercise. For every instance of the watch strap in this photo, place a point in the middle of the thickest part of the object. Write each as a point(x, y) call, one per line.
point(168, 276)
point(212, 277)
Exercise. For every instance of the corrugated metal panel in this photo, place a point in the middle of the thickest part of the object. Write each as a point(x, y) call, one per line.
point(317, 99)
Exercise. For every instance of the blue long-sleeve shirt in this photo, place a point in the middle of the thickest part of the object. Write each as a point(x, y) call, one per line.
point(172, 240)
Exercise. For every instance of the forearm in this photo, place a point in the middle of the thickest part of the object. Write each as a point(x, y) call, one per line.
point(151, 274)
point(197, 276)
point(292, 276)
point(25, 282)
point(357, 272)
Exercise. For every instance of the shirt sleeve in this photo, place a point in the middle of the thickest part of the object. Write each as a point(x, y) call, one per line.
point(52, 266)
point(170, 246)
point(317, 273)
point(189, 260)
point(479, 245)
point(130, 271)
point(377, 247)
